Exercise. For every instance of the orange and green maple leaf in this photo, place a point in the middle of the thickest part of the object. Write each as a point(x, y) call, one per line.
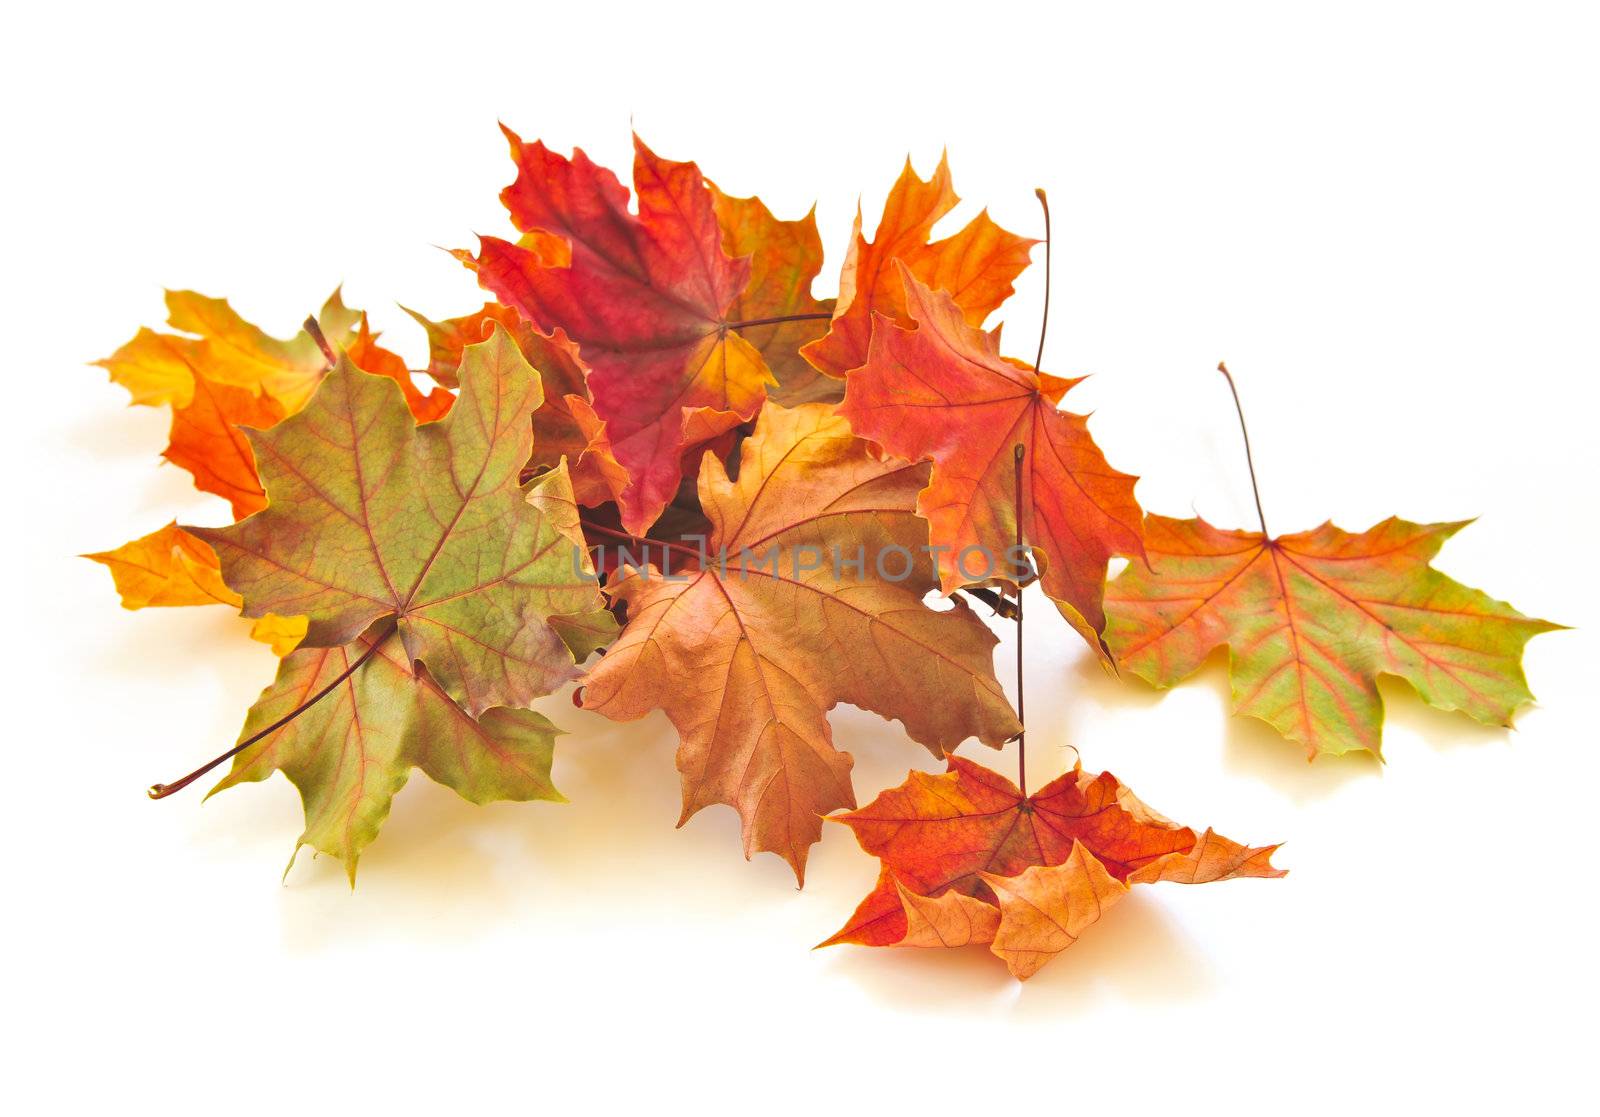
point(219, 383)
point(937, 388)
point(967, 858)
point(371, 515)
point(748, 651)
point(1312, 619)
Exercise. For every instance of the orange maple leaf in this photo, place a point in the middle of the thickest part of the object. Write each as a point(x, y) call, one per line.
point(371, 357)
point(976, 267)
point(169, 567)
point(231, 375)
point(1044, 866)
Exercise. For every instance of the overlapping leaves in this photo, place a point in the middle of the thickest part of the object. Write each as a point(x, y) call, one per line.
point(375, 517)
point(940, 390)
point(967, 858)
point(810, 595)
point(802, 473)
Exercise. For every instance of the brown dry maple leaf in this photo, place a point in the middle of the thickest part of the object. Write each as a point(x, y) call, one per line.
point(968, 858)
point(748, 650)
point(940, 390)
point(975, 266)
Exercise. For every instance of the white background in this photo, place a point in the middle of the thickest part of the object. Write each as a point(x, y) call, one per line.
point(1384, 217)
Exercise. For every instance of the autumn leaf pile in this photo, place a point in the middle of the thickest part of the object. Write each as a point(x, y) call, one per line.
point(637, 466)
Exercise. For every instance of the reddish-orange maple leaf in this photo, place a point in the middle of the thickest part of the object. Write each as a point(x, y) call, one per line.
point(940, 390)
point(646, 298)
point(371, 357)
point(976, 267)
point(207, 440)
point(1049, 862)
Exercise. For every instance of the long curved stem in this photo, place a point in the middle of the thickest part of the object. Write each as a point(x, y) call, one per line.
point(162, 790)
point(1022, 737)
point(1249, 458)
point(1018, 454)
point(1044, 319)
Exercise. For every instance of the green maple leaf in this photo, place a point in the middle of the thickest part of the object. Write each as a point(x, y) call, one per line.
point(351, 751)
point(371, 516)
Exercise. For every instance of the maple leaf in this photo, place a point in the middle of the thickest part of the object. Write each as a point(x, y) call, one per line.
point(159, 368)
point(748, 651)
point(565, 425)
point(208, 440)
point(941, 391)
point(645, 297)
point(1312, 619)
point(369, 356)
point(785, 257)
point(1044, 865)
point(383, 714)
point(976, 267)
point(234, 376)
point(169, 567)
point(372, 516)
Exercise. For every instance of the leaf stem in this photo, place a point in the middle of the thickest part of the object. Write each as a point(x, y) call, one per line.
point(1022, 738)
point(1019, 452)
point(601, 529)
point(999, 602)
point(1248, 457)
point(162, 790)
point(314, 328)
point(1044, 320)
point(777, 318)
